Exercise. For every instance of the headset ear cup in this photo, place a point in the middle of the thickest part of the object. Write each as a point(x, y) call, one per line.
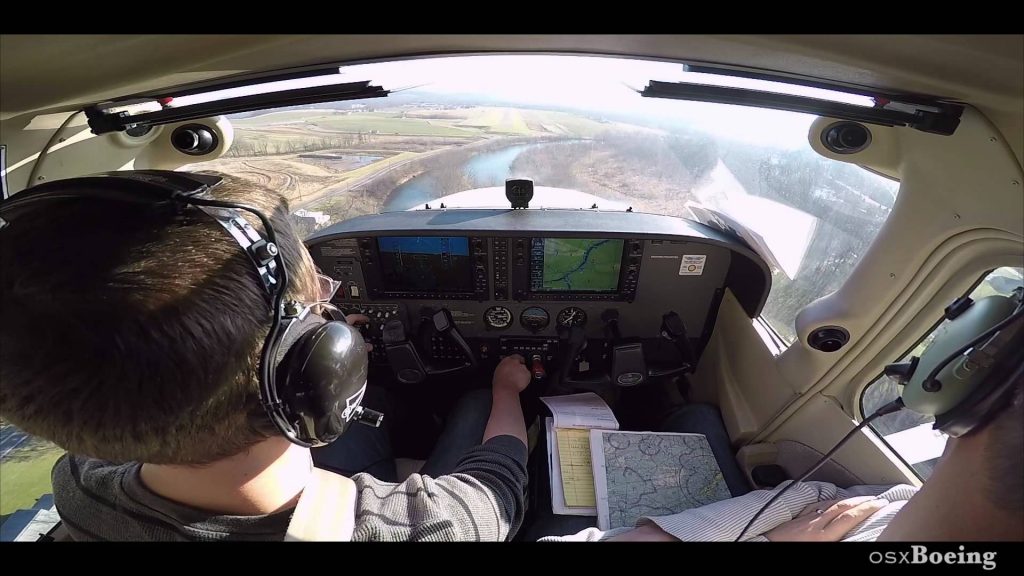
point(987, 401)
point(956, 384)
point(322, 379)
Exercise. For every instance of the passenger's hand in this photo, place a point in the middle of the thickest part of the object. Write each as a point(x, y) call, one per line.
point(826, 521)
point(511, 374)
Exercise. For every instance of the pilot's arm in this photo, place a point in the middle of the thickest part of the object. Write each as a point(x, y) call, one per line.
point(483, 499)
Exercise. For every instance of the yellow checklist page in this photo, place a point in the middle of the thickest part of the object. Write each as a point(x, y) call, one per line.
point(577, 470)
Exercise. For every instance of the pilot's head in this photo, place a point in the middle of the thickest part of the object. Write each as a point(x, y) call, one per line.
point(131, 334)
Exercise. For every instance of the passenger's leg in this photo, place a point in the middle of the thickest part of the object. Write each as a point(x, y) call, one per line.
point(705, 419)
point(362, 448)
point(463, 430)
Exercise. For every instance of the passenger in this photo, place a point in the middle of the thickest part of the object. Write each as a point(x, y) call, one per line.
point(976, 493)
point(131, 338)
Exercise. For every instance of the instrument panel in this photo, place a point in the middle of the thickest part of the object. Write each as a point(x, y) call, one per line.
point(518, 280)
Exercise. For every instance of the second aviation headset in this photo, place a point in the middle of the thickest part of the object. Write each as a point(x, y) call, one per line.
point(970, 371)
point(312, 371)
point(966, 376)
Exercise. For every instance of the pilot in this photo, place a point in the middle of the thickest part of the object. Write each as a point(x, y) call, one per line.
point(976, 493)
point(131, 338)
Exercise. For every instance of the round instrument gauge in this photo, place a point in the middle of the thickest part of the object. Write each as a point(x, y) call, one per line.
point(534, 319)
point(571, 316)
point(498, 317)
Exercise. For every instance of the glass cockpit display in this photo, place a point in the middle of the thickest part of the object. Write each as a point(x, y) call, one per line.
point(577, 265)
point(426, 263)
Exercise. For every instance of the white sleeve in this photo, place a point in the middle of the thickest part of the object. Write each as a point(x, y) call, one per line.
point(722, 521)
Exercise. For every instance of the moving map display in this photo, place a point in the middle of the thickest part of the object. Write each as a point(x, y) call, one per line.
point(575, 265)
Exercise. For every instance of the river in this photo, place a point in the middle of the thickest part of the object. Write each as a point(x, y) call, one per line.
point(484, 169)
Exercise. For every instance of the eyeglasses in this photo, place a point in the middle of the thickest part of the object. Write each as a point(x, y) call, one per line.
point(327, 287)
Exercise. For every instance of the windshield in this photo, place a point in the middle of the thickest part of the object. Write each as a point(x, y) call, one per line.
point(454, 125)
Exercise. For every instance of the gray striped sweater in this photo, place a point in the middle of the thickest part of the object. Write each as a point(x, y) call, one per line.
point(483, 499)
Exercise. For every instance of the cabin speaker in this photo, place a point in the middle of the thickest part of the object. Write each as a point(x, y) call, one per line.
point(828, 338)
point(194, 139)
point(846, 137)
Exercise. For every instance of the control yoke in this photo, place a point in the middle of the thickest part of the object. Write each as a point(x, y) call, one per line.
point(628, 365)
point(594, 380)
point(406, 362)
point(673, 330)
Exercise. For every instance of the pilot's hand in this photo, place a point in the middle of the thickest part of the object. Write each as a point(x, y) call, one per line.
point(511, 374)
point(826, 521)
point(359, 320)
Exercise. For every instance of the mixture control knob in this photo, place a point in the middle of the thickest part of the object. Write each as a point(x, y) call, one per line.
point(537, 368)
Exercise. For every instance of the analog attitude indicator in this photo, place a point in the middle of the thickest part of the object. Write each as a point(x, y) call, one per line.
point(571, 316)
point(498, 317)
point(535, 319)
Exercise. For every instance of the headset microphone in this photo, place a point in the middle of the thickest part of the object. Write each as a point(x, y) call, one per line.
point(964, 378)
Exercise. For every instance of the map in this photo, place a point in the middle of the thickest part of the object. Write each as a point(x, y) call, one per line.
point(581, 265)
point(652, 474)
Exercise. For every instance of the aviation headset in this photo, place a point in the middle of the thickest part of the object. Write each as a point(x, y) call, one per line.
point(966, 376)
point(312, 370)
point(972, 368)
